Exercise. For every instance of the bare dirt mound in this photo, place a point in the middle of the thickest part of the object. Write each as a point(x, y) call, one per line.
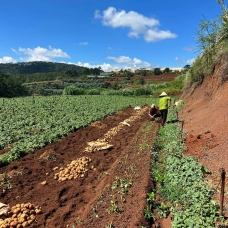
point(157, 78)
point(108, 186)
point(150, 78)
point(206, 123)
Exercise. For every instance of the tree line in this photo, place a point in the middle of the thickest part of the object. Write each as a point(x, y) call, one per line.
point(37, 67)
point(10, 87)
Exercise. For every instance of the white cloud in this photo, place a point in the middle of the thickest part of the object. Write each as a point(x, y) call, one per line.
point(83, 43)
point(138, 24)
point(7, 59)
point(182, 60)
point(188, 49)
point(41, 54)
point(104, 66)
point(121, 62)
point(156, 35)
point(191, 61)
point(128, 62)
point(178, 59)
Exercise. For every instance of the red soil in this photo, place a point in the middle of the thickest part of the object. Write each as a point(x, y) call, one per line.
point(152, 78)
point(206, 125)
point(157, 78)
point(86, 201)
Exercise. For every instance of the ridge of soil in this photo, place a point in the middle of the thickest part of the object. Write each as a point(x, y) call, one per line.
point(89, 201)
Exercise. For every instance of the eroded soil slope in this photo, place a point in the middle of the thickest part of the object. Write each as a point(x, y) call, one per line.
point(111, 189)
point(206, 123)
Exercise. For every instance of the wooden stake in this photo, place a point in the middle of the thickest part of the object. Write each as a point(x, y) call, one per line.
point(223, 176)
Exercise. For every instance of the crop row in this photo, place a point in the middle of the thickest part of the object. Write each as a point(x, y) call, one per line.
point(180, 182)
point(30, 123)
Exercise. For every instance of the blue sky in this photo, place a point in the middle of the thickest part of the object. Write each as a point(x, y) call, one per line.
point(112, 34)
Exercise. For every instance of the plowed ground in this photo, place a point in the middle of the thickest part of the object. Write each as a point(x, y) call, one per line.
point(112, 193)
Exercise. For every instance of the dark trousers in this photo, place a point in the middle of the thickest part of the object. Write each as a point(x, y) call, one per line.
point(164, 113)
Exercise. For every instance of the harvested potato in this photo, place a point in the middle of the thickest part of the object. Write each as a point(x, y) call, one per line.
point(21, 215)
point(77, 168)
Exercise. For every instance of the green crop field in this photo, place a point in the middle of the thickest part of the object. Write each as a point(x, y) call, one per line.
point(30, 123)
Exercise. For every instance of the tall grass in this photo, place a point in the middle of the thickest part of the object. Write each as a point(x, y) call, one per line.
point(212, 40)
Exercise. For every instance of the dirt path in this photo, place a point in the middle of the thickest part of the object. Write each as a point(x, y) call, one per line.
point(111, 189)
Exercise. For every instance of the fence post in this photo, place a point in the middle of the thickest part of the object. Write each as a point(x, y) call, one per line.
point(223, 177)
point(182, 125)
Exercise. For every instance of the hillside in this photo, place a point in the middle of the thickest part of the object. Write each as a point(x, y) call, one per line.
point(36, 67)
point(206, 123)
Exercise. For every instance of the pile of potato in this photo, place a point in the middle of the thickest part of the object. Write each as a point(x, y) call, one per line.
point(102, 143)
point(112, 132)
point(21, 215)
point(97, 146)
point(77, 168)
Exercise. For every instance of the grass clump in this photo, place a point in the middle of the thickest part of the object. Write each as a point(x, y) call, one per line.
point(212, 40)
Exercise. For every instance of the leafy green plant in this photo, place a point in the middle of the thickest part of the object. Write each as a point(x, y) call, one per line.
point(114, 207)
point(110, 225)
point(121, 184)
point(148, 212)
point(163, 210)
point(94, 212)
point(151, 197)
point(124, 185)
point(30, 123)
point(115, 183)
point(180, 183)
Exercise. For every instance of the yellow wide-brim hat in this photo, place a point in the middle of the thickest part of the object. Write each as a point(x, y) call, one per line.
point(163, 94)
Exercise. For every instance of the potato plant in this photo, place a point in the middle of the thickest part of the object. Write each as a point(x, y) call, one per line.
point(180, 182)
point(30, 123)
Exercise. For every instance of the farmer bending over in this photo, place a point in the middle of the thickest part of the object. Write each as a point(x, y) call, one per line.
point(154, 112)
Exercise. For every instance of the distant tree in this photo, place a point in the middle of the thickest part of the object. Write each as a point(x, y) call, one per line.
point(96, 70)
point(11, 86)
point(36, 67)
point(128, 74)
point(166, 70)
point(115, 86)
point(143, 72)
point(100, 69)
point(142, 81)
point(72, 73)
point(106, 85)
point(157, 71)
point(3, 86)
point(186, 67)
